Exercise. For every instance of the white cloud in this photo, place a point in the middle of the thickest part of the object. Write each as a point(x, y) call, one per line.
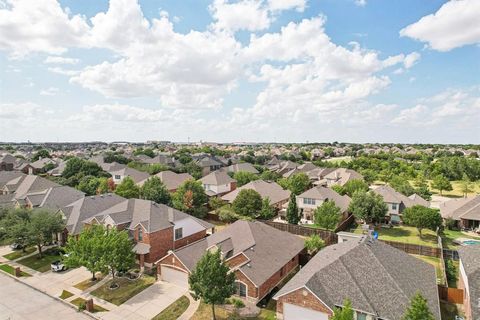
point(19, 111)
point(248, 15)
point(361, 3)
point(52, 91)
point(119, 113)
point(60, 60)
point(279, 5)
point(64, 72)
point(455, 24)
point(411, 59)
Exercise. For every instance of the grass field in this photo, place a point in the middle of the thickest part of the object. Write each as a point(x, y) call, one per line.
point(41, 264)
point(450, 235)
point(66, 294)
point(175, 310)
point(127, 289)
point(9, 269)
point(406, 234)
point(457, 190)
point(19, 253)
point(434, 262)
point(96, 308)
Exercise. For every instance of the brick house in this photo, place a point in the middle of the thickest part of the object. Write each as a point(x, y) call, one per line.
point(469, 280)
point(259, 255)
point(378, 280)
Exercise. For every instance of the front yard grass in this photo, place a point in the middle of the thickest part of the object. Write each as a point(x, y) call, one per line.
point(11, 270)
point(434, 262)
point(66, 294)
point(406, 234)
point(175, 310)
point(41, 264)
point(85, 284)
point(204, 312)
point(19, 253)
point(126, 290)
point(96, 308)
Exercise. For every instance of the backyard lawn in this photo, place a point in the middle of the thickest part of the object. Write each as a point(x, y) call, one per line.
point(175, 310)
point(434, 262)
point(96, 308)
point(450, 235)
point(19, 253)
point(41, 264)
point(405, 234)
point(9, 269)
point(126, 290)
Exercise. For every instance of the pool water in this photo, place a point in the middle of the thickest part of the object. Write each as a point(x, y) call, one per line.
point(470, 242)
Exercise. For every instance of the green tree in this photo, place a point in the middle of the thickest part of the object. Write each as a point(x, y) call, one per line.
point(314, 244)
point(351, 186)
point(247, 203)
point(327, 215)
point(421, 187)
point(244, 177)
point(189, 197)
point(193, 169)
point(15, 226)
point(345, 313)
point(153, 189)
point(118, 251)
point(441, 183)
point(293, 215)
point(216, 203)
point(89, 185)
point(298, 183)
point(267, 212)
point(43, 224)
point(41, 154)
point(368, 206)
point(87, 250)
point(466, 185)
point(401, 184)
point(418, 309)
point(211, 280)
point(268, 175)
point(422, 217)
point(128, 189)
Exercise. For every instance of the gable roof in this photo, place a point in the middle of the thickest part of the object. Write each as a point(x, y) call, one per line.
point(377, 278)
point(470, 259)
point(392, 196)
point(323, 193)
point(136, 175)
point(270, 190)
point(243, 166)
point(172, 180)
point(217, 178)
point(342, 176)
point(465, 208)
point(266, 248)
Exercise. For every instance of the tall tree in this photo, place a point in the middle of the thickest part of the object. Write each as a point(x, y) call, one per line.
point(244, 177)
point(327, 215)
point(43, 224)
point(87, 250)
point(128, 189)
point(314, 243)
point(15, 226)
point(211, 280)
point(422, 217)
point(441, 183)
point(344, 313)
point(293, 215)
point(118, 251)
point(354, 185)
point(153, 189)
point(298, 183)
point(368, 206)
point(189, 197)
point(248, 202)
point(466, 185)
point(267, 212)
point(418, 309)
point(401, 184)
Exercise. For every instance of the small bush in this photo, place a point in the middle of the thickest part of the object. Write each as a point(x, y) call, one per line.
point(227, 215)
point(237, 303)
point(82, 306)
point(450, 270)
point(451, 224)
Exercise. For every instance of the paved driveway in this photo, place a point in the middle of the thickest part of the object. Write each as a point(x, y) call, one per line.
point(20, 302)
point(148, 303)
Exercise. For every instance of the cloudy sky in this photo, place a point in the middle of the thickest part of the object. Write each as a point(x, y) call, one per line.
point(243, 70)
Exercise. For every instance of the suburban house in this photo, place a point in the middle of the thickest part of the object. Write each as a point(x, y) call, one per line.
point(339, 177)
point(398, 202)
point(469, 280)
point(54, 198)
point(170, 179)
point(466, 211)
point(271, 190)
point(7, 162)
point(135, 175)
point(313, 198)
point(58, 170)
point(155, 228)
point(158, 159)
point(20, 185)
point(378, 279)
point(259, 255)
point(37, 166)
point(218, 183)
point(243, 166)
point(208, 164)
point(306, 167)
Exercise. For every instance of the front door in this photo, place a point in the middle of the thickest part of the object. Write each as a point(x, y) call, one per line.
point(241, 289)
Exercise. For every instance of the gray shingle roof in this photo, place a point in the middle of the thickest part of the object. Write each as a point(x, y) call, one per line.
point(244, 166)
point(465, 208)
point(270, 190)
point(470, 258)
point(172, 180)
point(392, 196)
point(377, 278)
point(217, 178)
point(323, 193)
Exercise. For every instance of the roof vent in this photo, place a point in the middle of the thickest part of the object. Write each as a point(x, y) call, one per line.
point(249, 265)
point(252, 249)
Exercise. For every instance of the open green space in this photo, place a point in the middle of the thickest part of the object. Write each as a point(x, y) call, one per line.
point(19, 253)
point(126, 290)
point(405, 234)
point(175, 310)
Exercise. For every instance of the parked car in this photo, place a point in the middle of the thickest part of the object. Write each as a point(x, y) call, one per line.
point(16, 246)
point(58, 266)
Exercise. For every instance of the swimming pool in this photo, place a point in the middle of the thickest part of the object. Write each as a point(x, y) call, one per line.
point(466, 241)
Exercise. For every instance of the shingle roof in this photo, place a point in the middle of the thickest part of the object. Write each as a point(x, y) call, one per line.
point(270, 190)
point(342, 176)
point(465, 208)
point(377, 278)
point(470, 258)
point(217, 178)
point(172, 180)
point(323, 193)
point(244, 166)
point(392, 196)
point(136, 175)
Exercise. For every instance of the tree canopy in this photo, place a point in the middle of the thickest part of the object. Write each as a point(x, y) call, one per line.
point(293, 215)
point(344, 313)
point(441, 183)
point(327, 215)
point(247, 203)
point(128, 189)
point(190, 197)
point(314, 243)
point(267, 212)
point(153, 189)
point(422, 217)
point(418, 309)
point(368, 206)
point(244, 177)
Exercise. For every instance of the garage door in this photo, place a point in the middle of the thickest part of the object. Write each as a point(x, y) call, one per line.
point(175, 276)
point(292, 312)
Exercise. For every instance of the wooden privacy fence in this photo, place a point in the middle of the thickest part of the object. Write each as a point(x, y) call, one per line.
point(442, 260)
point(345, 225)
point(451, 254)
point(328, 236)
point(415, 248)
point(452, 295)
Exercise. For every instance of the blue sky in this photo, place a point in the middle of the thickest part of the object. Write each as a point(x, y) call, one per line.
point(244, 70)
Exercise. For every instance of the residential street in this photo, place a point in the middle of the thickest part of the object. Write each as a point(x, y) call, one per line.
point(20, 302)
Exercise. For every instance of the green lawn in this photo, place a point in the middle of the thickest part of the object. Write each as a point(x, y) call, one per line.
point(406, 234)
point(66, 294)
point(9, 269)
point(175, 310)
point(450, 235)
point(204, 312)
point(96, 308)
point(127, 289)
point(19, 253)
point(41, 264)
point(84, 285)
point(457, 190)
point(434, 262)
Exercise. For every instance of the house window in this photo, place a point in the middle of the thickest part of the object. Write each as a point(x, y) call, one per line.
point(140, 234)
point(308, 201)
point(241, 289)
point(178, 233)
point(394, 206)
point(117, 177)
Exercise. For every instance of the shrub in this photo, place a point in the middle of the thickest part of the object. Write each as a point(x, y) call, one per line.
point(237, 303)
point(226, 214)
point(450, 270)
point(82, 306)
point(451, 224)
